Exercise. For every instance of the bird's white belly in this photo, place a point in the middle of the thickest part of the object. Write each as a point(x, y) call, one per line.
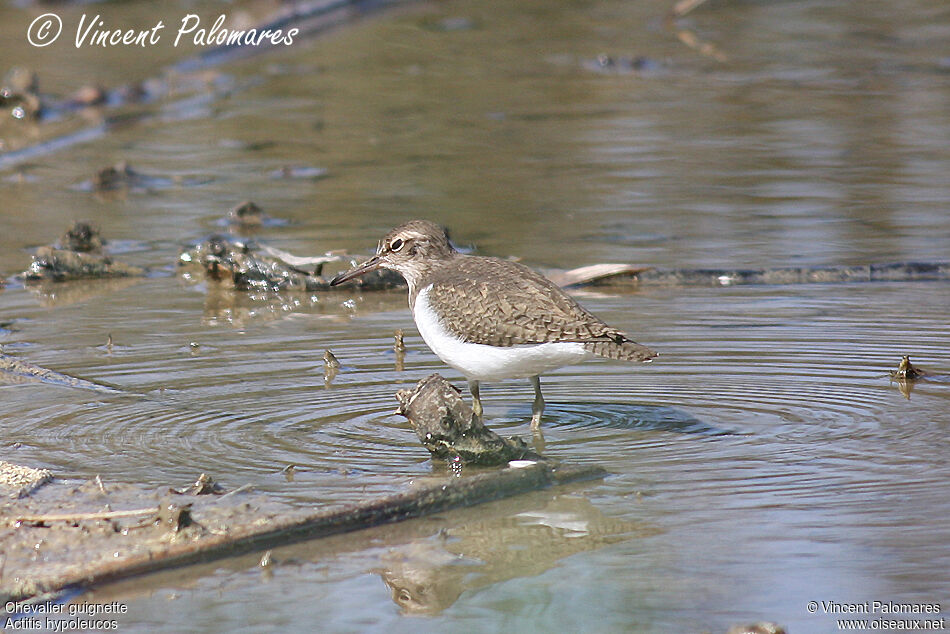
point(481, 362)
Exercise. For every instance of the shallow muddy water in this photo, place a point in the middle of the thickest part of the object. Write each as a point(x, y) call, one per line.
point(765, 460)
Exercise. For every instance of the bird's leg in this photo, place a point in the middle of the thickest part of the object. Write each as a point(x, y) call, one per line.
point(476, 400)
point(537, 408)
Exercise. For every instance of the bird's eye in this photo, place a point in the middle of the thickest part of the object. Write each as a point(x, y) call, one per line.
point(396, 244)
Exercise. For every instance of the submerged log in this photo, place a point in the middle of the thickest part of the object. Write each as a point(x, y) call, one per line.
point(446, 426)
point(886, 272)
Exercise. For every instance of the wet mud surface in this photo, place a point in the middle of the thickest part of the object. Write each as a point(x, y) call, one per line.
point(101, 532)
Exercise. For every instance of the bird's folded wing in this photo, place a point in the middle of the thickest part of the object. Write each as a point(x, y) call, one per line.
point(503, 303)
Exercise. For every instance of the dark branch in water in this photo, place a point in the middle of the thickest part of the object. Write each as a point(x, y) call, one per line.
point(206, 529)
point(887, 272)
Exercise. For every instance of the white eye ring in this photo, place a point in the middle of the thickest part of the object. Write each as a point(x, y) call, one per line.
point(396, 244)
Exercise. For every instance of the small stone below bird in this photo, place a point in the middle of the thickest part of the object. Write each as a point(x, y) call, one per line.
point(448, 429)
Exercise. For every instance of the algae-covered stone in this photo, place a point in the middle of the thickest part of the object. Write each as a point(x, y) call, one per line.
point(77, 255)
point(448, 429)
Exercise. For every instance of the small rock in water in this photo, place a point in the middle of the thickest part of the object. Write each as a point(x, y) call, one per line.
point(266, 560)
point(289, 471)
point(77, 255)
point(399, 347)
point(906, 370)
point(204, 485)
point(247, 214)
point(173, 516)
point(82, 237)
point(114, 177)
point(331, 367)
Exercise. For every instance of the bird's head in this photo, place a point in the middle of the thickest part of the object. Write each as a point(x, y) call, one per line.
point(411, 249)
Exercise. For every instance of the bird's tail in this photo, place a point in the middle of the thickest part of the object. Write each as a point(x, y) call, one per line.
point(621, 351)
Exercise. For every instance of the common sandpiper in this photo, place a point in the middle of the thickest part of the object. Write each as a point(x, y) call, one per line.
point(492, 319)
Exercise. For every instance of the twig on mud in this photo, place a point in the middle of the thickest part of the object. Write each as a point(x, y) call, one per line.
point(243, 487)
point(79, 517)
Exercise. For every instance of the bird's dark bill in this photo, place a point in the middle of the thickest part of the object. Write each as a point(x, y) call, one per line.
point(369, 265)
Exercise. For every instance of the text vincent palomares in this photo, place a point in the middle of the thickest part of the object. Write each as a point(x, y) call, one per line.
point(93, 33)
point(873, 607)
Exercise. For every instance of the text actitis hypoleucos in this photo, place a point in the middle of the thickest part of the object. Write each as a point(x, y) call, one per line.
point(489, 318)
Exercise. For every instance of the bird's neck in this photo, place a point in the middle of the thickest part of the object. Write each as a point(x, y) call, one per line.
point(423, 272)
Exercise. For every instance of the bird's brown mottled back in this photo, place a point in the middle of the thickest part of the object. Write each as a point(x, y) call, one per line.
point(500, 303)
